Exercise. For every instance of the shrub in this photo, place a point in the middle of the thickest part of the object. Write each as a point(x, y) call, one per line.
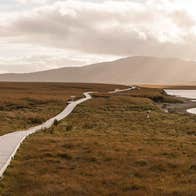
point(35, 120)
point(56, 122)
point(69, 127)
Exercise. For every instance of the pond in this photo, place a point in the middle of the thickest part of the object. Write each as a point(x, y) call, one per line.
point(190, 94)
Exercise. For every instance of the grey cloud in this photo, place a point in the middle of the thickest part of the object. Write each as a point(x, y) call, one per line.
point(100, 30)
point(183, 19)
point(36, 63)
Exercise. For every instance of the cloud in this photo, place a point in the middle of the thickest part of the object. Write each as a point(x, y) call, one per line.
point(119, 28)
point(36, 63)
point(32, 1)
point(183, 19)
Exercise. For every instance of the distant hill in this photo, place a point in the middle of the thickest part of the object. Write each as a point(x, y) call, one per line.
point(132, 70)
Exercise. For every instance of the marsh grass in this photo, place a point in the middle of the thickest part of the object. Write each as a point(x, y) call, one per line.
point(23, 105)
point(108, 146)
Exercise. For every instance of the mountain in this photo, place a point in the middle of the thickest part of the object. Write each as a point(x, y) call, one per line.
point(132, 70)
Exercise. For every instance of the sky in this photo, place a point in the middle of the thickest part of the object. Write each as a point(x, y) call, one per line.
point(38, 35)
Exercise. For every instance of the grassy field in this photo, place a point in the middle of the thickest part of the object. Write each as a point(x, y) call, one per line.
point(108, 146)
point(23, 105)
point(157, 86)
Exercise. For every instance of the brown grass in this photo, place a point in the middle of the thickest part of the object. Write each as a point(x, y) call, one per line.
point(109, 147)
point(158, 86)
point(23, 105)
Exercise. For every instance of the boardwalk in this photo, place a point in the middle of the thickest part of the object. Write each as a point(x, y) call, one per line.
point(10, 143)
